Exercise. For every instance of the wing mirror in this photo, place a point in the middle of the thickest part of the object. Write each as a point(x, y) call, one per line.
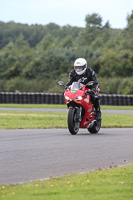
point(61, 83)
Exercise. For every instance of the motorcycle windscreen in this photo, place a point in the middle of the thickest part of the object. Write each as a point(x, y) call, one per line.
point(75, 86)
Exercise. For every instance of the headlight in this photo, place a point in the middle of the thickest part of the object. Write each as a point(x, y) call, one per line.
point(79, 98)
point(67, 98)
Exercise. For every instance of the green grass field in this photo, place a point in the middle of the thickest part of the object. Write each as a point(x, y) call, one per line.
point(110, 184)
point(35, 120)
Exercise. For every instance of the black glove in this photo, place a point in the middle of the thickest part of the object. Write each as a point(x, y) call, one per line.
point(91, 92)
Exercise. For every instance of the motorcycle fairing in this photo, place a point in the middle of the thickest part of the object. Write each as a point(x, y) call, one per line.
point(87, 107)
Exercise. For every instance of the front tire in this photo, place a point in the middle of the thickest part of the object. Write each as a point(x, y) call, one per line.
point(73, 126)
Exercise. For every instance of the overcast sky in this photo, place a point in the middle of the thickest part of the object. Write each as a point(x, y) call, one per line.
point(64, 12)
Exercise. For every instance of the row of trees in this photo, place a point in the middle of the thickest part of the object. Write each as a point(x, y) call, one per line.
point(36, 53)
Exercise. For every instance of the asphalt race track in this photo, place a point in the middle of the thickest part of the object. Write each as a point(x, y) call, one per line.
point(27, 155)
point(63, 110)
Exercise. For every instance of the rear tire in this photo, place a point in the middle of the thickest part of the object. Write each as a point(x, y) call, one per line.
point(73, 126)
point(96, 127)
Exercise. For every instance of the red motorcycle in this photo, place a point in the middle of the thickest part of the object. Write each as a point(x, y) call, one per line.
point(81, 112)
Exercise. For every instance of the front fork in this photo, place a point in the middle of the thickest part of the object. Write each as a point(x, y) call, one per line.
point(78, 114)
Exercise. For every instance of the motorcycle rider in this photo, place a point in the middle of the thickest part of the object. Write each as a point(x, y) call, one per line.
point(87, 74)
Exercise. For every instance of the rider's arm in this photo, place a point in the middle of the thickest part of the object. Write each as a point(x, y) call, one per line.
point(94, 78)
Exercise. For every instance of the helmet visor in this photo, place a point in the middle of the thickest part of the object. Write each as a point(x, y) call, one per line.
point(79, 68)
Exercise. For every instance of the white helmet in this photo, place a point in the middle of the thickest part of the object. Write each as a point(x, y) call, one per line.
point(80, 66)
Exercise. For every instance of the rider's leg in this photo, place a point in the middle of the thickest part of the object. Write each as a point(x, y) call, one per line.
point(96, 102)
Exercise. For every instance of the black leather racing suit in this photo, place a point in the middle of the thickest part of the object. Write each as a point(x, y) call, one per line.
point(89, 75)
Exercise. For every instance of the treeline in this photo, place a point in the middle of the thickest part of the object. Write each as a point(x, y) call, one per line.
point(33, 58)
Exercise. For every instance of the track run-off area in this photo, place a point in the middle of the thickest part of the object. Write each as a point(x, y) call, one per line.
point(32, 154)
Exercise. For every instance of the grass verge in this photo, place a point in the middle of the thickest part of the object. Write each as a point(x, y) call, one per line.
point(60, 106)
point(114, 183)
point(34, 120)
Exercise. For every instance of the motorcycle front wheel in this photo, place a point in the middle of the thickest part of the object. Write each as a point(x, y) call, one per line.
point(73, 126)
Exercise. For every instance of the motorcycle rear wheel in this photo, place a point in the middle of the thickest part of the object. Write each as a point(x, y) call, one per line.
point(96, 127)
point(73, 126)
